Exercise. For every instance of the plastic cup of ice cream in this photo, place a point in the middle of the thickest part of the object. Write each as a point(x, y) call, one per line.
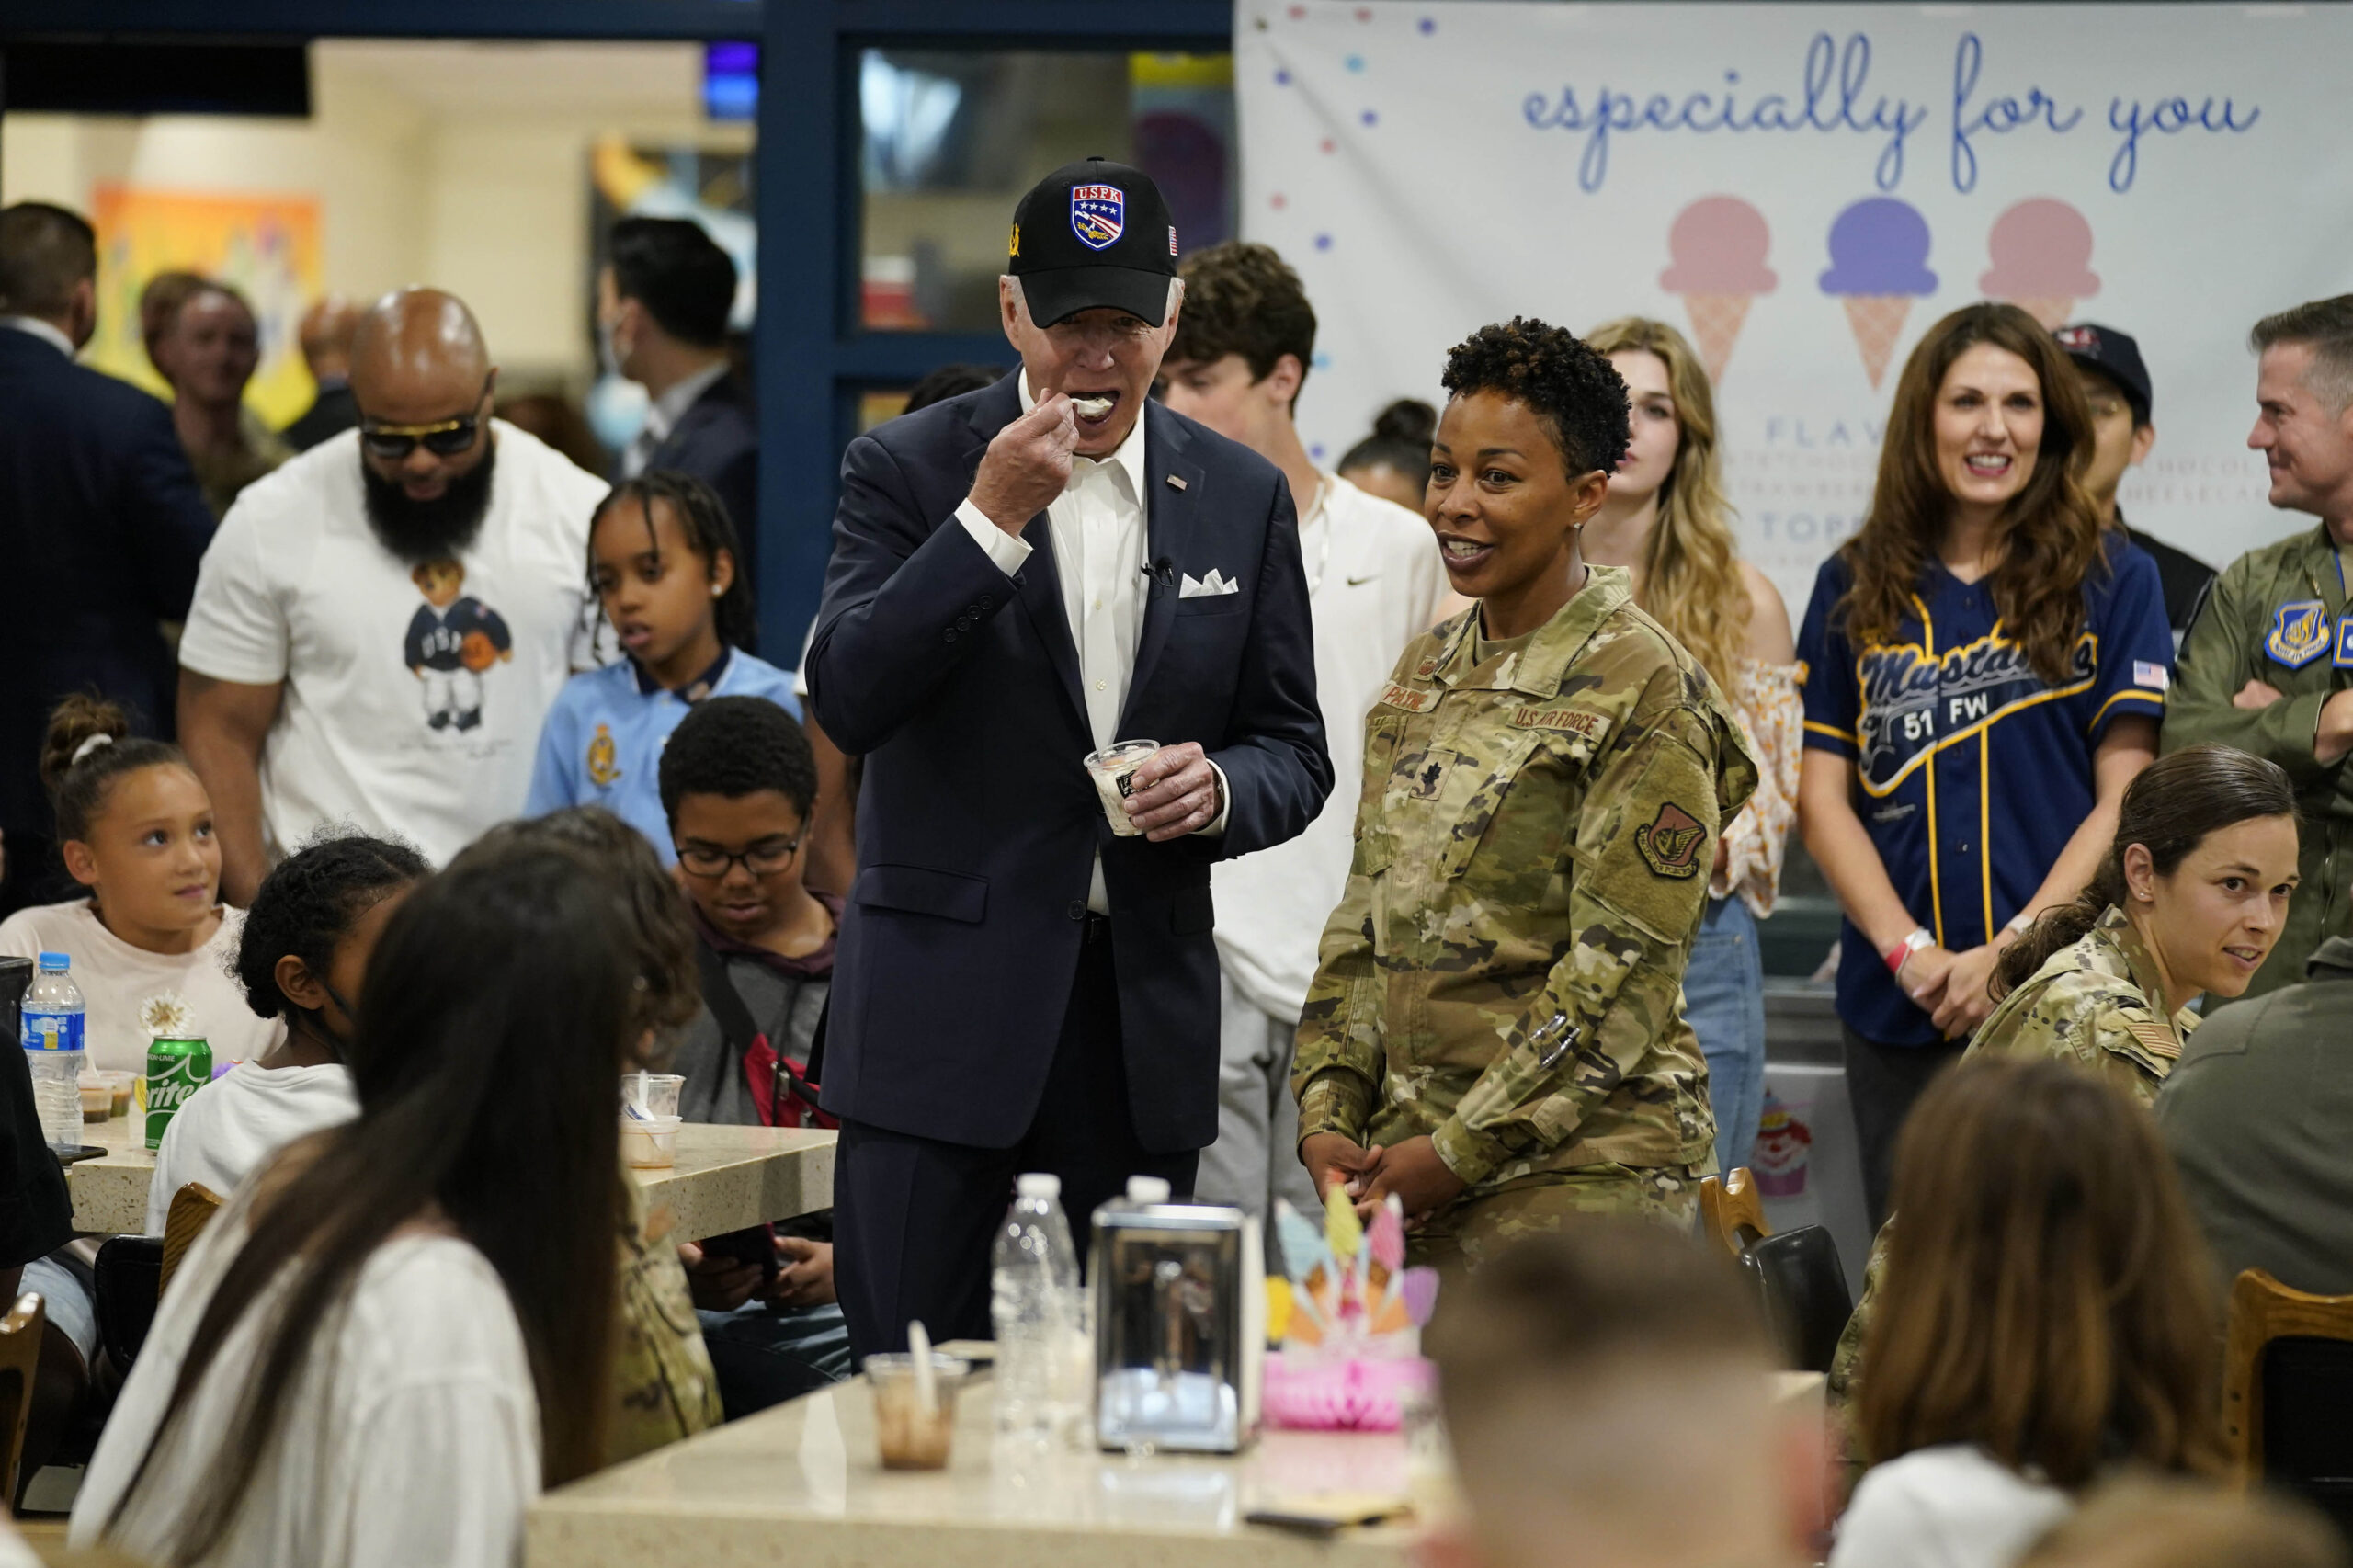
point(910, 1435)
point(649, 1143)
point(1113, 770)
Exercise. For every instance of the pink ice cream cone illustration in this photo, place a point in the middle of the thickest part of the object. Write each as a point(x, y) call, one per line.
point(1878, 265)
point(1718, 246)
point(2043, 252)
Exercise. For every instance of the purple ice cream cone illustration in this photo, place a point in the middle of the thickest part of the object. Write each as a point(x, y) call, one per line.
point(1878, 265)
point(2043, 252)
point(1718, 246)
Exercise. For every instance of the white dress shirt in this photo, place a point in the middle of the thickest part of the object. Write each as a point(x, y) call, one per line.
point(50, 335)
point(663, 414)
point(1100, 533)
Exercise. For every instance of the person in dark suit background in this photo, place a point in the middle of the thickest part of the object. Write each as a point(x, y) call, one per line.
point(1015, 585)
point(102, 524)
point(326, 332)
point(663, 303)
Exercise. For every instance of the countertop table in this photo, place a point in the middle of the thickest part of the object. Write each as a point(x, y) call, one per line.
point(801, 1483)
point(726, 1179)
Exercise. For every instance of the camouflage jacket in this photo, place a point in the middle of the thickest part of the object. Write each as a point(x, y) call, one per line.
point(664, 1388)
point(2097, 1004)
point(1533, 843)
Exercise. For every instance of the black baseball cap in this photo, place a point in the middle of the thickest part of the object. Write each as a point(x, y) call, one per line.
point(1090, 236)
point(2113, 355)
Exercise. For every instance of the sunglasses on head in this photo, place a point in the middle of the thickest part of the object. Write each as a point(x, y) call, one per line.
point(443, 439)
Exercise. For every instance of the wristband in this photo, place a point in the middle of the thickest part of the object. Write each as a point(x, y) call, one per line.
point(1896, 956)
point(2020, 921)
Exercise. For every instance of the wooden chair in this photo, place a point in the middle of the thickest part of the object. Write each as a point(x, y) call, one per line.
point(1731, 1211)
point(2287, 1377)
point(20, 1332)
point(193, 1207)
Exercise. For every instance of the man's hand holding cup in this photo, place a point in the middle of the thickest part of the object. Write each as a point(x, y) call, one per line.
point(1027, 466)
point(1173, 792)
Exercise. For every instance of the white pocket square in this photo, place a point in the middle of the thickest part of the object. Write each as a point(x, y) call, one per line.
point(1206, 587)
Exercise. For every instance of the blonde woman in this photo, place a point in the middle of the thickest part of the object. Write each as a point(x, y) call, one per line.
point(1666, 522)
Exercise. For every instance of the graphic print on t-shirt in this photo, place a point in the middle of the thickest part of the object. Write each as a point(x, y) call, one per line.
point(1915, 702)
point(453, 639)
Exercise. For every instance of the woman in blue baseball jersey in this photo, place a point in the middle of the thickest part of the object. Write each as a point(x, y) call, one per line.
point(1985, 675)
point(662, 556)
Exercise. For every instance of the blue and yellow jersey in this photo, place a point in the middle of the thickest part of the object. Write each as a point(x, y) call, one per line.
point(602, 743)
point(1971, 772)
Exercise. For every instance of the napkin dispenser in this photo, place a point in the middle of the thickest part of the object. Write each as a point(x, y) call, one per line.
point(1179, 1324)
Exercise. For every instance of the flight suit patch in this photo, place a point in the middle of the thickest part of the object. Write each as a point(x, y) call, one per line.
point(1411, 699)
point(1670, 841)
point(1574, 719)
point(2300, 633)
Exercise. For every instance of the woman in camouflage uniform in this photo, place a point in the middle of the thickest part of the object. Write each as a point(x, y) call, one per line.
point(1496, 1033)
point(2190, 899)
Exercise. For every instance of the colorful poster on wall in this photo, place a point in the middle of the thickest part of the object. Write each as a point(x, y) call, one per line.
point(266, 246)
point(1804, 189)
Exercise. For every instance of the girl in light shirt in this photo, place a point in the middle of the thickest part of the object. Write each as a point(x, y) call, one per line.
point(1666, 521)
point(134, 826)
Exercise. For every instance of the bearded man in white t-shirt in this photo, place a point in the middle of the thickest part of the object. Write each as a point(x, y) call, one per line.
point(1374, 580)
point(381, 626)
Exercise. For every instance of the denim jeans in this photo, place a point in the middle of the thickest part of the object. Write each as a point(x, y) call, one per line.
point(1724, 1000)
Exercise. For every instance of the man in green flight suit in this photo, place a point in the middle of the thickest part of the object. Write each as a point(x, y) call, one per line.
point(2268, 665)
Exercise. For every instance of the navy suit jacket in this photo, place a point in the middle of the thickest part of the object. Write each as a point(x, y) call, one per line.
point(717, 439)
point(102, 526)
point(977, 826)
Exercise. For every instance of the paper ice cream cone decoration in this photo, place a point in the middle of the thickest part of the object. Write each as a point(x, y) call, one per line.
point(1877, 321)
point(1718, 244)
point(2041, 252)
point(1878, 265)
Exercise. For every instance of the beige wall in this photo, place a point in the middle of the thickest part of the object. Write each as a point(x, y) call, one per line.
point(460, 166)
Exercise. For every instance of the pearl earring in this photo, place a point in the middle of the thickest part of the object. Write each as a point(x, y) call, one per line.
point(716, 590)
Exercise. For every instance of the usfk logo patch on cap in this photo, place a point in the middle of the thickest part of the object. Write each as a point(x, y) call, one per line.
point(1098, 214)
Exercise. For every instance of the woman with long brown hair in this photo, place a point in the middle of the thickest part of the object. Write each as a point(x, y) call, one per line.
point(1985, 675)
point(1666, 522)
point(395, 1333)
point(2047, 1320)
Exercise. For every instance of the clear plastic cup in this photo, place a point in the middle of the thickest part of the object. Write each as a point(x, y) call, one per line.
point(910, 1436)
point(653, 1094)
point(1113, 769)
point(649, 1143)
point(97, 1096)
point(119, 1085)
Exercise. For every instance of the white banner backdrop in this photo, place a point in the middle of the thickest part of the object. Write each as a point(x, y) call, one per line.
point(1804, 189)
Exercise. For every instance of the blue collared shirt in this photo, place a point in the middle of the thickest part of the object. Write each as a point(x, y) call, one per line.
point(602, 743)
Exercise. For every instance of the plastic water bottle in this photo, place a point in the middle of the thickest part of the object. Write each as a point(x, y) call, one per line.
point(1034, 1304)
point(52, 1023)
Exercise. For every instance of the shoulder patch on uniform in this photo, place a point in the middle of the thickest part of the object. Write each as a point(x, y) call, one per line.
point(2300, 633)
point(1413, 700)
point(1573, 719)
point(1669, 842)
point(2155, 1036)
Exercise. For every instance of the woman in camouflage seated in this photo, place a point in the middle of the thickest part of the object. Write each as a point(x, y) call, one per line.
point(2188, 902)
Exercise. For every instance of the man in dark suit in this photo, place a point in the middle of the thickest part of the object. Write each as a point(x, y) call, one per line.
point(1020, 576)
point(328, 328)
point(664, 303)
point(102, 524)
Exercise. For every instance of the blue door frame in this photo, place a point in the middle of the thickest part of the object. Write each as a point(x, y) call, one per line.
point(812, 357)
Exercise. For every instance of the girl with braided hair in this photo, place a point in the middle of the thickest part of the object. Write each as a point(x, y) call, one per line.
point(665, 562)
point(303, 949)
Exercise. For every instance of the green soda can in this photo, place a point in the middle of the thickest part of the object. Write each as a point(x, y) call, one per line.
point(175, 1068)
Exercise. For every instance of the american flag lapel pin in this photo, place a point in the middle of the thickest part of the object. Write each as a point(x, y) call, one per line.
point(1175, 483)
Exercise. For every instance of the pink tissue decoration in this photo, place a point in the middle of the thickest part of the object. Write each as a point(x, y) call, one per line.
point(1341, 1396)
point(1389, 1237)
point(1419, 1287)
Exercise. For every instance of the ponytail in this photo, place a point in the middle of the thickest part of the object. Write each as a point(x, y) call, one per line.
point(2168, 810)
point(88, 745)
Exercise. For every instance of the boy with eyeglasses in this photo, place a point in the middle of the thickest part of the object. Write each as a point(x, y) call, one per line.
point(738, 785)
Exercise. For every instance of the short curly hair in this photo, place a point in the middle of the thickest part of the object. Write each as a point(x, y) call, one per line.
point(1244, 299)
point(734, 746)
point(1577, 393)
point(310, 902)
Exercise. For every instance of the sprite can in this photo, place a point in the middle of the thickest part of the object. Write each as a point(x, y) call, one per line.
point(175, 1068)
